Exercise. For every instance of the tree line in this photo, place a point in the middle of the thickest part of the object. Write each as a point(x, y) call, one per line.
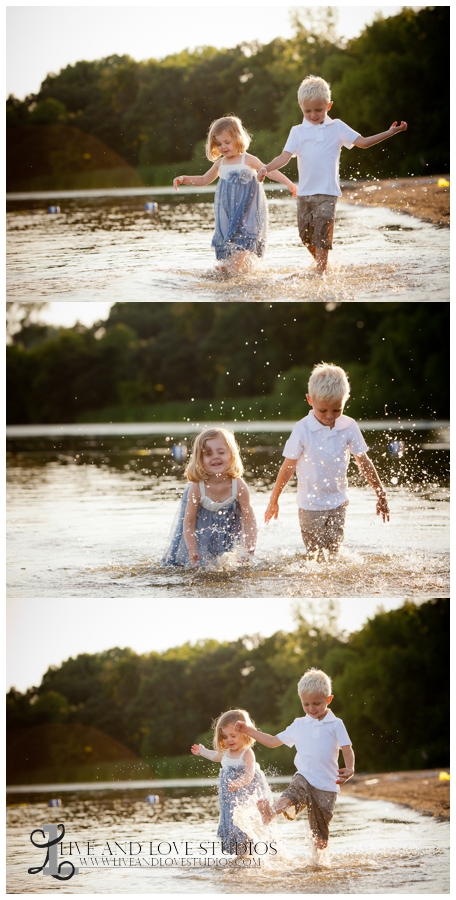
point(146, 356)
point(390, 683)
point(116, 112)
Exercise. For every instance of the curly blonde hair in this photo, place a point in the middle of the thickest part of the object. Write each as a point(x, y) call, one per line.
point(235, 128)
point(195, 470)
point(229, 718)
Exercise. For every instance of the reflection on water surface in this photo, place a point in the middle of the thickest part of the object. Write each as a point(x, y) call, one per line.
point(375, 848)
point(90, 517)
point(110, 248)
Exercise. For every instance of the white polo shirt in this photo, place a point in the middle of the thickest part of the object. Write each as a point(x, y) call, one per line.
point(317, 743)
point(317, 148)
point(323, 455)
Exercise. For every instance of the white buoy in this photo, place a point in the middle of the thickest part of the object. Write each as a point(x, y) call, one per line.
point(53, 209)
point(153, 798)
point(151, 206)
point(179, 453)
point(55, 802)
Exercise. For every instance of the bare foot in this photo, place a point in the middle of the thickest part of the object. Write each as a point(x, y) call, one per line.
point(266, 811)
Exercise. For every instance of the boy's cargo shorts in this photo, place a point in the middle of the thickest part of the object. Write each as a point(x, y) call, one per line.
point(320, 804)
point(316, 215)
point(323, 529)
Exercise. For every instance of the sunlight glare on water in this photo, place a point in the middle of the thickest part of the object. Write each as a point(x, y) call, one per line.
point(376, 847)
point(92, 519)
point(107, 248)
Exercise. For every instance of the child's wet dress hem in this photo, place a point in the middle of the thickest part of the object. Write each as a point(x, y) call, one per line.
point(232, 837)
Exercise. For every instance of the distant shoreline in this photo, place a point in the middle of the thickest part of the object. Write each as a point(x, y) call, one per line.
point(420, 790)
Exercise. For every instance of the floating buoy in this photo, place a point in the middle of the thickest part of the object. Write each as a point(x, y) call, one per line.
point(179, 452)
point(151, 206)
point(55, 802)
point(442, 182)
point(53, 209)
point(396, 448)
point(153, 798)
point(444, 776)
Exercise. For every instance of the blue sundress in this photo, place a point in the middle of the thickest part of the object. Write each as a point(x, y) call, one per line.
point(231, 835)
point(241, 214)
point(218, 528)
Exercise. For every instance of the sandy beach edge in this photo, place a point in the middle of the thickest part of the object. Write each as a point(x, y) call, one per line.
point(422, 790)
point(426, 198)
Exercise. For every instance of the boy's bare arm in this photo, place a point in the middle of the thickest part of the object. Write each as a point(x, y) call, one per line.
point(349, 769)
point(269, 740)
point(367, 468)
point(365, 142)
point(276, 163)
point(286, 470)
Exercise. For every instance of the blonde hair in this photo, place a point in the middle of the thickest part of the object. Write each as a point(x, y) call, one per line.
point(313, 88)
point(328, 382)
point(195, 470)
point(314, 681)
point(234, 127)
point(226, 718)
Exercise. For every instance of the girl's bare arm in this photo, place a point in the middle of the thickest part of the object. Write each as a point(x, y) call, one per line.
point(276, 163)
point(198, 180)
point(200, 750)
point(274, 175)
point(190, 523)
point(248, 516)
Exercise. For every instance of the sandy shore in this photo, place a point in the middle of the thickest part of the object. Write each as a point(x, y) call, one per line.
point(421, 197)
point(420, 790)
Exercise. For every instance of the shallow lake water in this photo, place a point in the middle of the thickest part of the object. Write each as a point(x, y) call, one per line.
point(108, 248)
point(90, 515)
point(376, 847)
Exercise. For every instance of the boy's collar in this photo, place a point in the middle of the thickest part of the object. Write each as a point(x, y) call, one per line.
point(327, 121)
point(340, 423)
point(329, 717)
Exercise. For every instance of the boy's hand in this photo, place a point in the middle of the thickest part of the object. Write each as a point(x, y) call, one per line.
point(261, 174)
point(344, 775)
point(382, 507)
point(195, 749)
point(272, 511)
point(294, 190)
point(177, 181)
point(396, 128)
point(240, 726)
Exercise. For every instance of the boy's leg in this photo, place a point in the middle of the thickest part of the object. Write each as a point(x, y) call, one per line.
point(335, 529)
point(313, 530)
point(299, 795)
point(316, 215)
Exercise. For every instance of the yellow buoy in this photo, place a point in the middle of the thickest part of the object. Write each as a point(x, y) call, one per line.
point(442, 182)
point(444, 776)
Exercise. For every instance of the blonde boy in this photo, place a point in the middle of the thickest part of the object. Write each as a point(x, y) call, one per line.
point(317, 144)
point(319, 450)
point(318, 738)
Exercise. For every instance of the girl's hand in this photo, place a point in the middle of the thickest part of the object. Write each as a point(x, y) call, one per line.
point(261, 174)
point(177, 181)
point(195, 749)
point(382, 508)
point(232, 786)
point(397, 128)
